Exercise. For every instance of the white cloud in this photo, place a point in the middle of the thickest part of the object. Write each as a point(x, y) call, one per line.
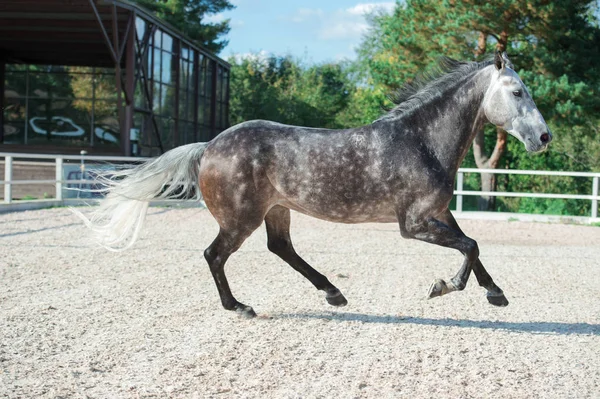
point(368, 8)
point(343, 30)
point(262, 56)
point(341, 24)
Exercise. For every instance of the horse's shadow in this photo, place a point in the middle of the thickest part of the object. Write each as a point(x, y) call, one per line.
point(551, 328)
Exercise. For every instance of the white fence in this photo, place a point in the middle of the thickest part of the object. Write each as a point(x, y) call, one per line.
point(59, 180)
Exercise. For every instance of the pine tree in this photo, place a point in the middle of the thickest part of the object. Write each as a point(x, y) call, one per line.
point(555, 47)
point(188, 16)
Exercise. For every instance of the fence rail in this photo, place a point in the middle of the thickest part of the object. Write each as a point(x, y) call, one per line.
point(59, 180)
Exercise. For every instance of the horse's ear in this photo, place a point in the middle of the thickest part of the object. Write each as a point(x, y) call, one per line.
point(507, 62)
point(499, 60)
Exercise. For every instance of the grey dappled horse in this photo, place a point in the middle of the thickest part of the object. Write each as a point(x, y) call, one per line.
point(399, 169)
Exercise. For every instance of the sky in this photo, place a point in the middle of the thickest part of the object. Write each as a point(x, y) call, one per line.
point(315, 31)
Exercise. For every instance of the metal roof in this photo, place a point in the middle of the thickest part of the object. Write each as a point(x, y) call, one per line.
point(68, 32)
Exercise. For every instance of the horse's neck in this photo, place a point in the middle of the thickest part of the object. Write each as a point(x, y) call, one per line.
point(453, 124)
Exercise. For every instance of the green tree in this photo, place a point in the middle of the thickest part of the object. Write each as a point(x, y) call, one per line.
point(188, 16)
point(282, 89)
point(554, 45)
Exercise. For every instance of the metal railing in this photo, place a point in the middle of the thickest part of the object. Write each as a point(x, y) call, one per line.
point(593, 197)
point(58, 182)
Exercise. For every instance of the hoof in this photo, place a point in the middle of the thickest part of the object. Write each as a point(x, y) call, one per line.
point(245, 311)
point(497, 300)
point(438, 288)
point(336, 299)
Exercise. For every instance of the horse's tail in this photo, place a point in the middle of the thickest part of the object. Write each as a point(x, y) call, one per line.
point(119, 218)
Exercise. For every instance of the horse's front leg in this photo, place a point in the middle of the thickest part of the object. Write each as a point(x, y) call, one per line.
point(495, 295)
point(434, 231)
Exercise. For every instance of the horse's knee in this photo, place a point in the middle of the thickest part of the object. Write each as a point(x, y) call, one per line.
point(471, 250)
point(211, 254)
point(279, 245)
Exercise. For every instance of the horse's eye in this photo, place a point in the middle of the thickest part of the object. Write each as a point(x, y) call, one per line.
point(517, 93)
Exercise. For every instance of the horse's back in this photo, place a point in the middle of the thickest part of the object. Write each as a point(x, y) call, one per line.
point(331, 174)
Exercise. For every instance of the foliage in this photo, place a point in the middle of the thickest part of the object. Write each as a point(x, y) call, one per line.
point(555, 48)
point(188, 16)
point(283, 90)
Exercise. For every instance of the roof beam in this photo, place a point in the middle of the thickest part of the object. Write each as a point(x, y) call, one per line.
point(112, 51)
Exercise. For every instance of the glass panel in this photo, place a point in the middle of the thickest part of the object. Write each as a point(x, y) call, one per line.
point(49, 85)
point(15, 84)
point(17, 67)
point(201, 100)
point(107, 134)
point(219, 83)
point(105, 86)
point(156, 105)
point(190, 107)
point(189, 133)
point(14, 132)
point(140, 96)
point(58, 121)
point(140, 27)
point(157, 42)
point(106, 111)
point(167, 43)
point(183, 74)
point(166, 134)
point(56, 105)
point(167, 67)
point(156, 59)
point(225, 84)
point(202, 77)
point(185, 52)
point(183, 104)
point(14, 107)
point(168, 101)
point(218, 115)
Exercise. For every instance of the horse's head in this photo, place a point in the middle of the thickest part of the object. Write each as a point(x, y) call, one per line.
point(508, 104)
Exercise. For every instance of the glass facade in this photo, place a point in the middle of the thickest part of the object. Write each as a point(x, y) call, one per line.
point(61, 106)
point(185, 101)
point(180, 96)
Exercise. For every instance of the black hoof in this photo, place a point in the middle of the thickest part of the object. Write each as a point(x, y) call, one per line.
point(497, 300)
point(438, 288)
point(245, 311)
point(336, 299)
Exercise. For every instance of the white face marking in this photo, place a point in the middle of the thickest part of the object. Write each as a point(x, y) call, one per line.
point(508, 104)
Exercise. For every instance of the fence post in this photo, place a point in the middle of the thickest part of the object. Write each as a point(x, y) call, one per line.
point(59, 177)
point(595, 194)
point(459, 187)
point(8, 174)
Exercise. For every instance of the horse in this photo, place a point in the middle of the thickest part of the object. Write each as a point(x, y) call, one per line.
point(399, 169)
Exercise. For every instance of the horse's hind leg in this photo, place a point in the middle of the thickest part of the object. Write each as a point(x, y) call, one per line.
point(216, 255)
point(495, 295)
point(277, 221)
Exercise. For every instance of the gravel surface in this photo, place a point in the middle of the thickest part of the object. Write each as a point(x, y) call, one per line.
point(77, 321)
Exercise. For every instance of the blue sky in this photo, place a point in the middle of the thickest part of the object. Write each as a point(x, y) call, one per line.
point(313, 30)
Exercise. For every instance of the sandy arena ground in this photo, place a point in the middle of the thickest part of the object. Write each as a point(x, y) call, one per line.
point(77, 321)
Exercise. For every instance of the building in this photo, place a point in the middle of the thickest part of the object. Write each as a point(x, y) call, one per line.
point(104, 76)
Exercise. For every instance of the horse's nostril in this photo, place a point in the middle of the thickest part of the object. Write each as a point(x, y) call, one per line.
point(545, 138)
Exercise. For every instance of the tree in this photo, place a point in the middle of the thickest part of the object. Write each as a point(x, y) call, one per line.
point(555, 43)
point(188, 16)
point(282, 89)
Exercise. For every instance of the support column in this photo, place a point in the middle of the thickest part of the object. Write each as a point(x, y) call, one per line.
point(2, 105)
point(129, 89)
point(213, 100)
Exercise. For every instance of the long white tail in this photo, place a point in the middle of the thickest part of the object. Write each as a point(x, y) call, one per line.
point(119, 218)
